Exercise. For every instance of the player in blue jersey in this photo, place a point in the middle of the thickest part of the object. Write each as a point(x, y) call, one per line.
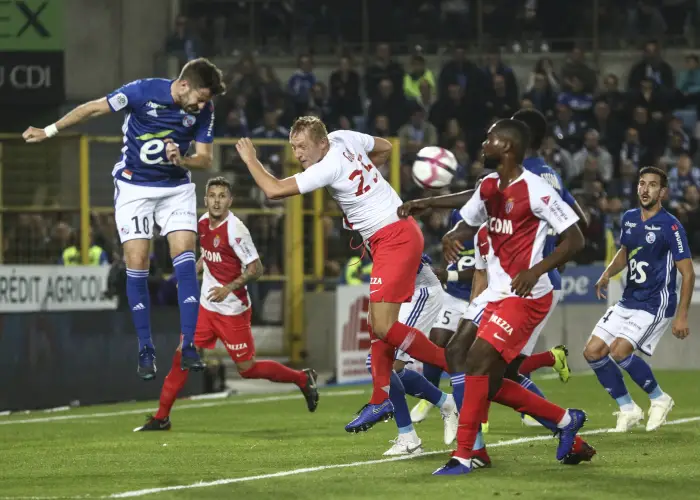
point(653, 246)
point(153, 186)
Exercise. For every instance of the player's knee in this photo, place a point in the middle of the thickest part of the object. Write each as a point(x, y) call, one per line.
point(440, 336)
point(480, 358)
point(595, 350)
point(620, 349)
point(181, 241)
point(244, 367)
point(136, 257)
point(456, 354)
point(399, 365)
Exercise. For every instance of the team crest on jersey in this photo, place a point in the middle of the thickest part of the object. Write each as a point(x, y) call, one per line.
point(651, 238)
point(509, 205)
point(217, 240)
point(188, 120)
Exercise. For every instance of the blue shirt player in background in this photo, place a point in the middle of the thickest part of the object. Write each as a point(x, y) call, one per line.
point(456, 279)
point(653, 246)
point(153, 185)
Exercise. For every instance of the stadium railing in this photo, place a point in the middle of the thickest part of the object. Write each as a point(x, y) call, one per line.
point(40, 179)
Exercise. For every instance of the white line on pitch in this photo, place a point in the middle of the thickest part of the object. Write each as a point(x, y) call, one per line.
point(267, 399)
point(220, 482)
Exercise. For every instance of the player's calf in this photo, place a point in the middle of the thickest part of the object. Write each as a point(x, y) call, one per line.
point(277, 372)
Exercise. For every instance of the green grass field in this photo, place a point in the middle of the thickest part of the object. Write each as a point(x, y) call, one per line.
point(271, 447)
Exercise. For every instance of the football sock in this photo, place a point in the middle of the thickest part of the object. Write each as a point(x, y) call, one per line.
point(417, 345)
point(432, 373)
point(640, 371)
point(418, 386)
point(140, 304)
point(457, 380)
point(474, 411)
point(185, 266)
point(610, 377)
point(173, 384)
point(536, 361)
point(275, 372)
point(530, 386)
point(402, 414)
point(382, 361)
point(520, 399)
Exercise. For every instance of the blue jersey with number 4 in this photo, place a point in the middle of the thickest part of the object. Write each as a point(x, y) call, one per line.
point(152, 117)
point(539, 167)
point(653, 247)
point(466, 261)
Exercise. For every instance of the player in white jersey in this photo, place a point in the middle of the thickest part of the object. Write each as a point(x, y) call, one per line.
point(229, 261)
point(344, 163)
point(152, 185)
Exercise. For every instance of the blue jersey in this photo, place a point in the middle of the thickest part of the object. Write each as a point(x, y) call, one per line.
point(539, 167)
point(151, 117)
point(653, 246)
point(458, 289)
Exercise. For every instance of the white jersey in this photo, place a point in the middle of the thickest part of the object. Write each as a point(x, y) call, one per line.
point(517, 220)
point(226, 250)
point(426, 277)
point(365, 197)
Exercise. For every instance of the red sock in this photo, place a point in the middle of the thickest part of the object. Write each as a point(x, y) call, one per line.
point(275, 372)
point(174, 382)
point(523, 401)
point(417, 345)
point(474, 411)
point(539, 360)
point(382, 363)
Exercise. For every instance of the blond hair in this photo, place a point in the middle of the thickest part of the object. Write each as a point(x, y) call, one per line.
point(312, 125)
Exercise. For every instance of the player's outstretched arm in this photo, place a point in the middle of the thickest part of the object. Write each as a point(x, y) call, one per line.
point(381, 152)
point(680, 323)
point(78, 115)
point(455, 200)
point(452, 240)
point(274, 188)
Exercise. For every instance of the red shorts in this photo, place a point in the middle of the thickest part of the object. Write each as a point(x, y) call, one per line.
point(396, 253)
point(233, 331)
point(508, 324)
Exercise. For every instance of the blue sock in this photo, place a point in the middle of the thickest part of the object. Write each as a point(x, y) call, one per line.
point(610, 377)
point(457, 380)
point(185, 266)
point(641, 373)
point(432, 373)
point(140, 304)
point(479, 441)
point(530, 386)
point(417, 385)
point(397, 394)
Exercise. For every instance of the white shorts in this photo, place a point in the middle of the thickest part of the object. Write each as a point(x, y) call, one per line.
point(136, 208)
point(642, 329)
point(453, 309)
point(530, 346)
point(421, 313)
point(477, 306)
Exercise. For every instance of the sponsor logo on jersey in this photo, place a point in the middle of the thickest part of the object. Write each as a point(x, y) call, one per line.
point(502, 226)
point(153, 105)
point(349, 156)
point(375, 281)
point(552, 180)
point(509, 205)
point(630, 224)
point(238, 241)
point(545, 199)
point(118, 101)
point(678, 239)
point(188, 120)
point(501, 323)
point(236, 347)
point(652, 228)
point(651, 238)
point(217, 240)
point(557, 211)
point(211, 256)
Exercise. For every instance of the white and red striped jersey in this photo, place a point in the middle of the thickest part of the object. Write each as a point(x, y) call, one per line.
point(517, 220)
point(367, 200)
point(226, 250)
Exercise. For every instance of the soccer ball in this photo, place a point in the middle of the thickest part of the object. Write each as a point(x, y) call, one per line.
point(434, 168)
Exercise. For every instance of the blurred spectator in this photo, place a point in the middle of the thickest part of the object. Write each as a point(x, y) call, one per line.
point(182, 43)
point(269, 90)
point(541, 93)
point(449, 106)
point(417, 75)
point(675, 126)
point(684, 174)
point(380, 127)
point(673, 151)
point(499, 103)
point(644, 19)
point(649, 96)
point(625, 187)
point(270, 128)
point(651, 134)
point(688, 211)
point(234, 126)
point(615, 98)
point(455, 18)
point(452, 133)
point(651, 66)
point(593, 150)
point(578, 100)
point(495, 66)
point(462, 72)
point(558, 158)
point(382, 68)
point(567, 131)
point(321, 106)
point(689, 81)
point(609, 129)
point(632, 151)
point(345, 90)
point(575, 66)
point(426, 99)
point(594, 232)
point(390, 103)
point(417, 133)
point(545, 67)
point(71, 255)
point(301, 83)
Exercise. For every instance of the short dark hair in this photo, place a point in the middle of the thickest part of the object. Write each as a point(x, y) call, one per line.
point(656, 171)
point(517, 132)
point(219, 181)
point(201, 73)
point(537, 124)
